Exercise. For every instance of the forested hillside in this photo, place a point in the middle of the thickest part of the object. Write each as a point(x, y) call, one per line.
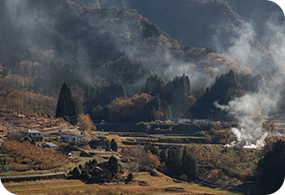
point(121, 67)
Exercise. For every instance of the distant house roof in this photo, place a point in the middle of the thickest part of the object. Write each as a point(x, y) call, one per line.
point(70, 135)
point(52, 145)
point(30, 131)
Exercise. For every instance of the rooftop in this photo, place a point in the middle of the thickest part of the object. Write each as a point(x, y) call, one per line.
point(31, 131)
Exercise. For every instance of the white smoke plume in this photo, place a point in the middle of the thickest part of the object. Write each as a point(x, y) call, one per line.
point(251, 109)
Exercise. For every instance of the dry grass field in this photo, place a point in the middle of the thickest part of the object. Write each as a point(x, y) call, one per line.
point(143, 184)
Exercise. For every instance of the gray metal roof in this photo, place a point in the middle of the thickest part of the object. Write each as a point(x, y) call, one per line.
point(50, 145)
point(31, 131)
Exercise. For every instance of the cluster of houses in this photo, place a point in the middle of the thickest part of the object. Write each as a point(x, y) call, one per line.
point(95, 143)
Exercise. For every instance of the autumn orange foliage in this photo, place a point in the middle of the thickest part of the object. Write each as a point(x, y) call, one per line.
point(163, 38)
point(85, 122)
point(145, 159)
point(221, 63)
point(122, 109)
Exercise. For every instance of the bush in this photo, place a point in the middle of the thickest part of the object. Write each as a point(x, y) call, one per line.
point(86, 175)
point(76, 172)
point(114, 145)
point(130, 177)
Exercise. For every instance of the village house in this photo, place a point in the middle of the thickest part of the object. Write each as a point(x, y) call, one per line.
point(33, 134)
point(70, 138)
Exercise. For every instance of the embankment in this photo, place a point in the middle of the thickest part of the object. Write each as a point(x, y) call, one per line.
point(20, 178)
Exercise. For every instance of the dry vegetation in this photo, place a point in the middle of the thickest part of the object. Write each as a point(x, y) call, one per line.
point(26, 156)
point(234, 162)
point(143, 184)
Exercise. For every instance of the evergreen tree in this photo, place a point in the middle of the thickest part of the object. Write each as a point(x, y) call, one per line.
point(153, 114)
point(169, 112)
point(154, 85)
point(163, 155)
point(174, 161)
point(68, 107)
point(114, 145)
point(15, 62)
point(130, 177)
point(271, 169)
point(176, 93)
point(76, 172)
point(86, 175)
point(107, 144)
point(113, 165)
point(151, 148)
point(189, 165)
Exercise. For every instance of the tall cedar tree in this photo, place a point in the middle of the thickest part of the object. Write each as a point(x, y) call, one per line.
point(219, 92)
point(15, 62)
point(113, 165)
point(68, 107)
point(189, 165)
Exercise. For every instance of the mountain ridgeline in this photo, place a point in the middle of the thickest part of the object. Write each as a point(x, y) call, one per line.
point(121, 67)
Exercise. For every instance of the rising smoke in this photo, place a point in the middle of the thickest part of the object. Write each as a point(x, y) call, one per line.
point(252, 110)
point(39, 27)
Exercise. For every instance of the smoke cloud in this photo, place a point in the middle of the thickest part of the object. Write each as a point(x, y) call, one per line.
point(252, 109)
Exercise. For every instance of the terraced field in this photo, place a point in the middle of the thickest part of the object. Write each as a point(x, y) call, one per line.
point(143, 184)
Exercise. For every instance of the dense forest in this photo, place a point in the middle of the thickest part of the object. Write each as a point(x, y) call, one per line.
point(119, 65)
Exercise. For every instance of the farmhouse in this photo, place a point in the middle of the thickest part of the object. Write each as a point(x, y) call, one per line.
point(33, 134)
point(70, 138)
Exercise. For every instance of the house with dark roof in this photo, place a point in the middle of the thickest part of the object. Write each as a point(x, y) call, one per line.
point(70, 138)
point(33, 134)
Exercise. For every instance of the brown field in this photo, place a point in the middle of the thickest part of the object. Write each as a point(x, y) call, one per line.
point(143, 184)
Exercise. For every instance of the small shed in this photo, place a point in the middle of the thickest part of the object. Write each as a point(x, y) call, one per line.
point(50, 145)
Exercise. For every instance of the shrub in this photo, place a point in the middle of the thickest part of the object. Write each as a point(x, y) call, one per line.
point(114, 145)
point(76, 172)
point(86, 174)
point(113, 165)
point(130, 177)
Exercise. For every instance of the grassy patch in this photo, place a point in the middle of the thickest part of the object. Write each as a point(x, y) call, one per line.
point(218, 191)
point(177, 137)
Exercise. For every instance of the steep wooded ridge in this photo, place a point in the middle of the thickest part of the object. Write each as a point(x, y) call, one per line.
point(109, 55)
point(195, 22)
point(126, 65)
point(217, 24)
